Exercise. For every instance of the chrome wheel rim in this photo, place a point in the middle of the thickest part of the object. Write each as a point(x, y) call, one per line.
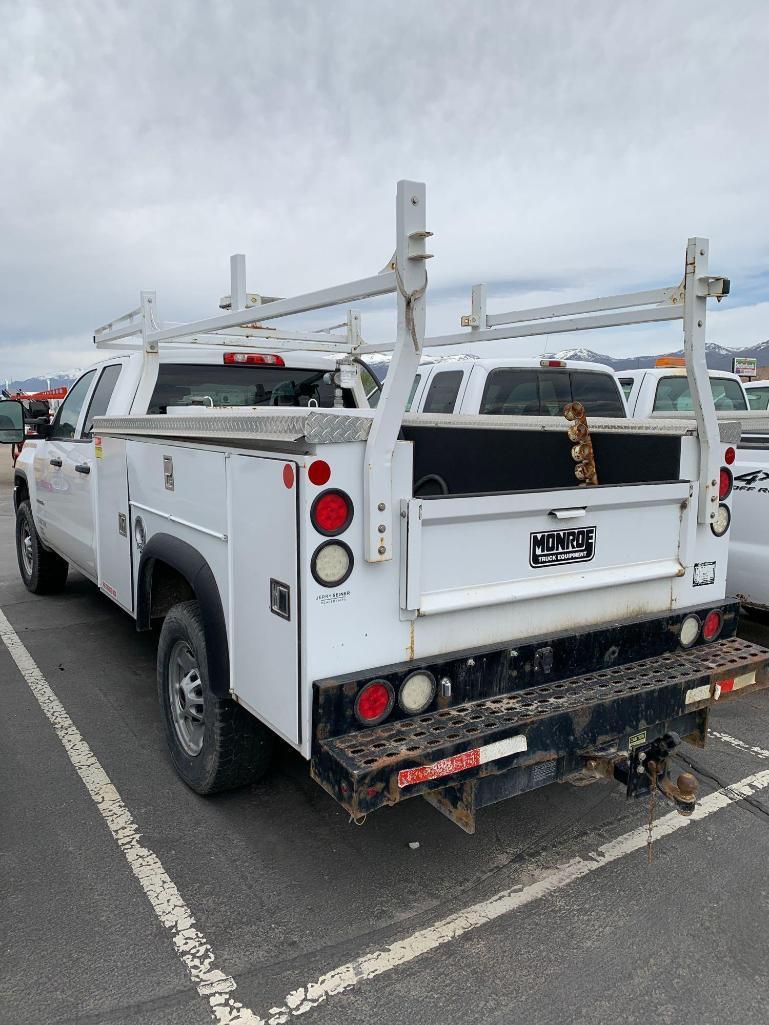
point(185, 695)
point(26, 548)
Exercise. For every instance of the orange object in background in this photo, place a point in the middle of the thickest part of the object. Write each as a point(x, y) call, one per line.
point(670, 361)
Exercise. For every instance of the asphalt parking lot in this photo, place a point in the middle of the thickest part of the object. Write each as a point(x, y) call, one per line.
point(551, 913)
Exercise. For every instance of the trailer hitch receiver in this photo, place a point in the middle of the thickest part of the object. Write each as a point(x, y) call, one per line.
point(645, 767)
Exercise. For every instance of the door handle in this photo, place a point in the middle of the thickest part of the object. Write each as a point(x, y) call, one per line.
point(55, 462)
point(82, 468)
point(568, 514)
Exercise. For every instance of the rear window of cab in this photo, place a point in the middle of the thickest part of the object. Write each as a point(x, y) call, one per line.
point(212, 384)
point(530, 392)
point(673, 395)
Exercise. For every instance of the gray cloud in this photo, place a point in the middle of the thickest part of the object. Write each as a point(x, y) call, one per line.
point(568, 149)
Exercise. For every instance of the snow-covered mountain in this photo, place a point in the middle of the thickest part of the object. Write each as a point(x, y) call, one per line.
point(57, 379)
point(718, 356)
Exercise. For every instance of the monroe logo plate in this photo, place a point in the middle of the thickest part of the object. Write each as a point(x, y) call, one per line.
point(550, 547)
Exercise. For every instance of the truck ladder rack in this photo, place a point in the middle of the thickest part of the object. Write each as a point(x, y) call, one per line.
point(686, 301)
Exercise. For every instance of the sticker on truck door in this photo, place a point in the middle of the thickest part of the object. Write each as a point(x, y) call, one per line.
point(551, 547)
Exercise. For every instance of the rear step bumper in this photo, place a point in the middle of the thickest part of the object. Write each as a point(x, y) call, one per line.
point(553, 724)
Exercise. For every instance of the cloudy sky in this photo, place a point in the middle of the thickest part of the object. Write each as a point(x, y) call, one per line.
point(568, 149)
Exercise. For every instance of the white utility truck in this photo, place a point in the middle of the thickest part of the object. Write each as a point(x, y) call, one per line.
point(228, 482)
point(664, 391)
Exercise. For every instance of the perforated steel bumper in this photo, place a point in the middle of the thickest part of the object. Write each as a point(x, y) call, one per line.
point(571, 718)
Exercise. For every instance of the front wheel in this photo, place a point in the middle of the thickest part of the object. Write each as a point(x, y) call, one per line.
point(214, 743)
point(43, 571)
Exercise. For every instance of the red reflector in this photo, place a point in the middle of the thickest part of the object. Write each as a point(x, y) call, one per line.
point(288, 475)
point(319, 472)
point(711, 628)
point(725, 481)
point(552, 363)
point(374, 702)
point(251, 358)
point(331, 512)
point(726, 685)
point(729, 456)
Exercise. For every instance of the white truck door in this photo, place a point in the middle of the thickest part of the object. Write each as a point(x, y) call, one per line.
point(63, 493)
point(264, 605)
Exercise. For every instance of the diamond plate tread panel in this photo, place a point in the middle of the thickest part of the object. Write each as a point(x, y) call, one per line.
point(471, 724)
point(316, 427)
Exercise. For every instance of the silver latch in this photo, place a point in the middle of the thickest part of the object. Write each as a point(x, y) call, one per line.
point(168, 472)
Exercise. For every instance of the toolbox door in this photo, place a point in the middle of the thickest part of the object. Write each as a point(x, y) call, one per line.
point(264, 600)
point(113, 522)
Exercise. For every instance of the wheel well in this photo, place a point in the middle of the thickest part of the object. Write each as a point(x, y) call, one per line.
point(20, 490)
point(167, 587)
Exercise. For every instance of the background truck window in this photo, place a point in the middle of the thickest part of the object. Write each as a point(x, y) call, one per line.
point(413, 392)
point(673, 395)
point(758, 398)
point(237, 385)
point(443, 391)
point(598, 393)
point(626, 383)
point(510, 392)
point(102, 393)
point(69, 412)
point(518, 392)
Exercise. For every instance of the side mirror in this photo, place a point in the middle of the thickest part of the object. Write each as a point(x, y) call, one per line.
point(11, 422)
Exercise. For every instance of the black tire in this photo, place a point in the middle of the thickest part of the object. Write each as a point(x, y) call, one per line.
point(43, 571)
point(235, 747)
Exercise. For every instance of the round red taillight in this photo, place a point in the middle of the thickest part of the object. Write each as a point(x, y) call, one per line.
point(711, 627)
point(725, 482)
point(331, 513)
point(729, 456)
point(375, 702)
point(319, 472)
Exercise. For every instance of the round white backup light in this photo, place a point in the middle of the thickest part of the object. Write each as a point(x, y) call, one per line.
point(416, 692)
point(690, 631)
point(332, 563)
point(720, 524)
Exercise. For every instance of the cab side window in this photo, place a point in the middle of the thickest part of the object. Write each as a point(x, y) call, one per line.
point(65, 424)
point(443, 391)
point(758, 398)
point(102, 393)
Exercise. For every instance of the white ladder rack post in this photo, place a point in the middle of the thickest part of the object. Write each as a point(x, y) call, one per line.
point(411, 277)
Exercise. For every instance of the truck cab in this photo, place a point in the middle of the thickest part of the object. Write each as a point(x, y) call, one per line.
point(55, 471)
point(508, 386)
point(664, 390)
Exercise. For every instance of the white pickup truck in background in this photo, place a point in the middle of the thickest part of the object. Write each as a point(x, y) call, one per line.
point(663, 390)
point(457, 605)
point(505, 386)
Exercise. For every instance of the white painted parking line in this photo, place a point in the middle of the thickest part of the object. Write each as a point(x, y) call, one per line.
point(190, 944)
point(377, 963)
point(759, 752)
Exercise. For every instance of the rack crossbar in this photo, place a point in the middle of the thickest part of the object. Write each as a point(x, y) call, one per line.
point(657, 296)
point(530, 329)
point(379, 284)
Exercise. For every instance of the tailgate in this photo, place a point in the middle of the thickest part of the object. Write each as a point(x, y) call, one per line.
point(467, 552)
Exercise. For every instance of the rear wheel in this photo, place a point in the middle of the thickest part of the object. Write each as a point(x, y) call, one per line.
point(214, 743)
point(43, 571)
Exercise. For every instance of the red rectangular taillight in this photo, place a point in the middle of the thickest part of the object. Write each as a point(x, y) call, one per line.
point(253, 358)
